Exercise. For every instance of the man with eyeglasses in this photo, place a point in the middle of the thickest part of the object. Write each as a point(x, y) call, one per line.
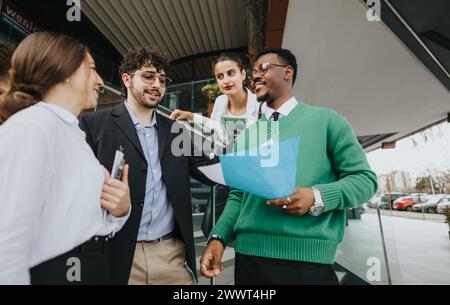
point(293, 240)
point(156, 245)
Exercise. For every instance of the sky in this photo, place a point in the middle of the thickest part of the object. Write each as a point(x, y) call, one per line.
point(418, 159)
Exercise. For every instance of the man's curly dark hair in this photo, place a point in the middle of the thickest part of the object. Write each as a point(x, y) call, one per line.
point(136, 58)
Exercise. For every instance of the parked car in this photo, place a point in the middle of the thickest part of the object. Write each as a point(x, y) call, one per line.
point(406, 203)
point(375, 201)
point(387, 200)
point(441, 206)
point(431, 205)
point(419, 194)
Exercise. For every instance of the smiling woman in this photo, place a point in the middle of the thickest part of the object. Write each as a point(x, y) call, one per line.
point(54, 194)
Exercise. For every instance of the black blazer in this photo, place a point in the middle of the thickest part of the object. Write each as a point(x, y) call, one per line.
point(105, 132)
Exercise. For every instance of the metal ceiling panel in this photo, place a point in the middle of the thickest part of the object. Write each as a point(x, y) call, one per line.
point(179, 27)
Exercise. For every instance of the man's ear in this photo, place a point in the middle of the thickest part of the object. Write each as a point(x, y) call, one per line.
point(126, 79)
point(288, 73)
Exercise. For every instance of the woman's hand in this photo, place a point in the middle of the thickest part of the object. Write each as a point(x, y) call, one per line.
point(178, 115)
point(116, 194)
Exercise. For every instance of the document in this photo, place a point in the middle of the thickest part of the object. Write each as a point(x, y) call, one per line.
point(269, 171)
point(233, 126)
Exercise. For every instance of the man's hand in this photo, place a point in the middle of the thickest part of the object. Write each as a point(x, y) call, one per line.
point(210, 263)
point(116, 194)
point(298, 203)
point(178, 115)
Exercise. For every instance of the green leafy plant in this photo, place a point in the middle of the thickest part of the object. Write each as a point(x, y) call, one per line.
point(211, 91)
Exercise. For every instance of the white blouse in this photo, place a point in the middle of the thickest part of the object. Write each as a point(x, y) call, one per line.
point(221, 109)
point(50, 188)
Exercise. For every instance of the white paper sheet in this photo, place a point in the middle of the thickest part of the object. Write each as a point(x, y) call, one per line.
point(213, 172)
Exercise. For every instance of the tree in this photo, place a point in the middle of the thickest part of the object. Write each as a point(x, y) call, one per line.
point(257, 12)
point(423, 185)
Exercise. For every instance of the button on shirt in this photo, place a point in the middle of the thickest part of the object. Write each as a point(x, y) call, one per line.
point(158, 218)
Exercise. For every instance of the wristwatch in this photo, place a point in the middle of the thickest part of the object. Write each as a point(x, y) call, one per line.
point(318, 207)
point(215, 237)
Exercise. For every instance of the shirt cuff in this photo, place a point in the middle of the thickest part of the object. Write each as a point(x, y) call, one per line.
point(197, 119)
point(118, 222)
point(120, 218)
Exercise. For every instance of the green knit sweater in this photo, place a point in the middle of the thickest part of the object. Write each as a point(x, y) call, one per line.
point(330, 159)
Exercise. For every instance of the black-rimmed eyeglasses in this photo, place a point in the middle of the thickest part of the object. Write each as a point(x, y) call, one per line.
point(264, 67)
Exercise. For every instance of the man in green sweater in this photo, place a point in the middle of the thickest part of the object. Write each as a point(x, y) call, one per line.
point(293, 240)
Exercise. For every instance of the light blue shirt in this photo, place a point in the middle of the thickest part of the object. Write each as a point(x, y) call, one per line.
point(158, 217)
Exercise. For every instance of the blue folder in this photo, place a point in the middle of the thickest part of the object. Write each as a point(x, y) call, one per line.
point(268, 171)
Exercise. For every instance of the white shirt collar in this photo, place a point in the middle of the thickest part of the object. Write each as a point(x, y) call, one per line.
point(252, 104)
point(60, 112)
point(284, 110)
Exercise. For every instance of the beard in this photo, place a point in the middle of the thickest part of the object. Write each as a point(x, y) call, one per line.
point(139, 97)
point(267, 98)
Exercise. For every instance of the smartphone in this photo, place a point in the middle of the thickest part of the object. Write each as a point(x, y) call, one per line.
point(119, 163)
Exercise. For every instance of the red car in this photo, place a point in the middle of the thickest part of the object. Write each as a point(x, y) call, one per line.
point(406, 203)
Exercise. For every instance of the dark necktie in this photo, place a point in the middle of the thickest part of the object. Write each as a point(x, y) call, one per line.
point(275, 116)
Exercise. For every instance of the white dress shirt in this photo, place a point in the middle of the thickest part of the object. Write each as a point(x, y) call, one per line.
point(221, 109)
point(50, 188)
point(284, 110)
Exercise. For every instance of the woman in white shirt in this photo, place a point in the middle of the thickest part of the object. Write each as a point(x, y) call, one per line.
point(236, 100)
point(58, 204)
